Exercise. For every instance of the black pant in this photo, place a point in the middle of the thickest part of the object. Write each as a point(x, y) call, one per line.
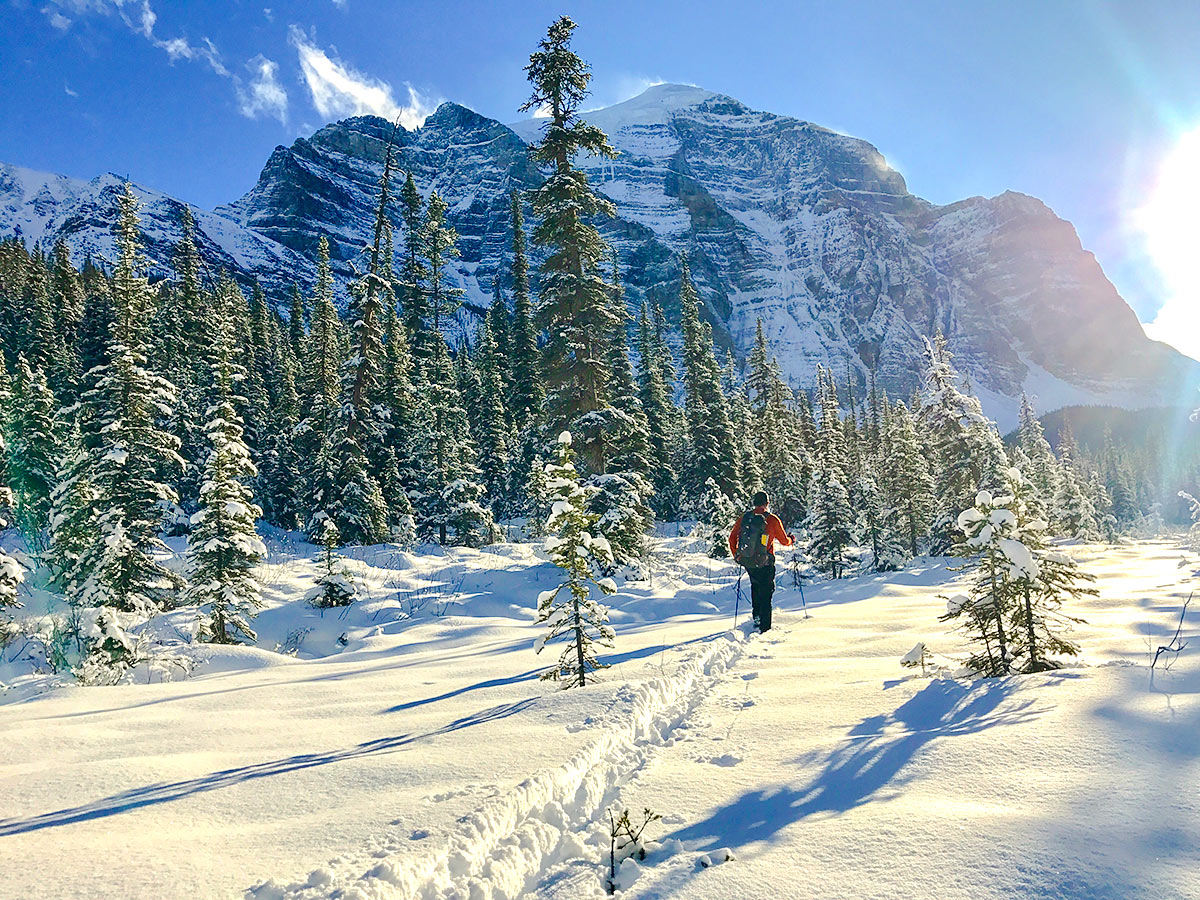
point(762, 586)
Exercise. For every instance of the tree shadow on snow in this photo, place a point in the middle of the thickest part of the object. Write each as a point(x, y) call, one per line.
point(153, 794)
point(610, 659)
point(876, 751)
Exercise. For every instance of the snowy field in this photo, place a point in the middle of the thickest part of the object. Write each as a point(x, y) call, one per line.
point(406, 748)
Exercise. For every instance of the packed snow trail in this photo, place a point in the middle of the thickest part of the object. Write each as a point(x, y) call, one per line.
point(830, 773)
point(500, 850)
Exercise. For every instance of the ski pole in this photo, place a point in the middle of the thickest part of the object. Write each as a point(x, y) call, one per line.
point(737, 602)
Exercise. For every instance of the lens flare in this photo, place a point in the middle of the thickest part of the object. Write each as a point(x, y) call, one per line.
point(1170, 223)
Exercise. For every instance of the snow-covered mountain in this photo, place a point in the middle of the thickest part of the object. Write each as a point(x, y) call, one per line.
point(783, 220)
point(44, 208)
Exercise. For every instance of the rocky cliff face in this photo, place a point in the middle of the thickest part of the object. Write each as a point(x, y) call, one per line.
point(782, 220)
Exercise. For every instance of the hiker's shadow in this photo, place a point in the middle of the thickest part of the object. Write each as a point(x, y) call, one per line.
point(871, 759)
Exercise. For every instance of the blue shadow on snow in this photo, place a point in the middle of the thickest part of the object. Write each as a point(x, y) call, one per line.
point(165, 792)
point(875, 752)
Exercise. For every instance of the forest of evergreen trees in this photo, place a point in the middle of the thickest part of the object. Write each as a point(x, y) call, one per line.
point(133, 411)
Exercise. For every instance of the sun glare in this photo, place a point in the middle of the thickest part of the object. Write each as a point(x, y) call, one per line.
point(1170, 222)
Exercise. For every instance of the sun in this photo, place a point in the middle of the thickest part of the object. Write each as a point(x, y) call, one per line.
point(1170, 224)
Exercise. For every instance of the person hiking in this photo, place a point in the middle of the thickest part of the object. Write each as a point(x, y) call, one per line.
point(752, 543)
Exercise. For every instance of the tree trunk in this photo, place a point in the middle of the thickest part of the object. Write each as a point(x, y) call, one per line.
point(1033, 660)
point(999, 616)
point(579, 642)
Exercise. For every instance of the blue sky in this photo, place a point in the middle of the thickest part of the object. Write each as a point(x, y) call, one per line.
point(1074, 102)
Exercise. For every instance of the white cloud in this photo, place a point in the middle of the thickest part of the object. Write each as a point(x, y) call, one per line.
point(70, 93)
point(57, 19)
point(341, 4)
point(337, 90)
point(262, 95)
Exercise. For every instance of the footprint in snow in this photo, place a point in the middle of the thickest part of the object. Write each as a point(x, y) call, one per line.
point(726, 760)
point(749, 676)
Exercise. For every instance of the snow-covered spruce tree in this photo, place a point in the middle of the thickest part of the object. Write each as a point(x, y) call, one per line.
point(630, 434)
point(717, 515)
point(446, 453)
point(571, 609)
point(182, 348)
point(877, 520)
point(320, 390)
point(11, 572)
point(440, 244)
point(6, 499)
point(414, 275)
point(333, 586)
point(1118, 480)
point(1042, 468)
point(397, 400)
point(489, 421)
point(909, 484)
point(623, 516)
point(1102, 507)
point(655, 395)
point(993, 540)
point(537, 498)
point(66, 289)
point(1072, 513)
point(747, 453)
point(1038, 626)
point(967, 451)
point(297, 313)
point(576, 306)
point(223, 547)
point(370, 293)
point(124, 453)
point(280, 470)
point(785, 462)
point(34, 446)
point(830, 518)
point(710, 442)
point(468, 520)
point(356, 502)
point(524, 362)
point(499, 321)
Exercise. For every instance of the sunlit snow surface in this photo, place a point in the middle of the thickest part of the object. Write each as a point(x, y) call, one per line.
point(424, 758)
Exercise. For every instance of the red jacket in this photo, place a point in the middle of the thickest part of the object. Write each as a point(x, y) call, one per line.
point(775, 532)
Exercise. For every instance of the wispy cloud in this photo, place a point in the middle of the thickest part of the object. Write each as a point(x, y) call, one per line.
point(70, 93)
point(262, 94)
point(57, 19)
point(337, 90)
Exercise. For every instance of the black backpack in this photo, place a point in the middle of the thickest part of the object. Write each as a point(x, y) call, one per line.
point(752, 541)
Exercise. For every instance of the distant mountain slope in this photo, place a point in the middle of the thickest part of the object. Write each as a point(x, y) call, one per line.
point(782, 220)
point(44, 208)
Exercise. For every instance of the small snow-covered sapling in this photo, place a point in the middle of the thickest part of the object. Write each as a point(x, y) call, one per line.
point(625, 841)
point(917, 656)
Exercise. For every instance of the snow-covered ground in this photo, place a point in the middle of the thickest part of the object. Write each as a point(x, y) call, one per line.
point(408, 749)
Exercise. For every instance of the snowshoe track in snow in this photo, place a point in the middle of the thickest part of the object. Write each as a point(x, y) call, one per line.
point(499, 851)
